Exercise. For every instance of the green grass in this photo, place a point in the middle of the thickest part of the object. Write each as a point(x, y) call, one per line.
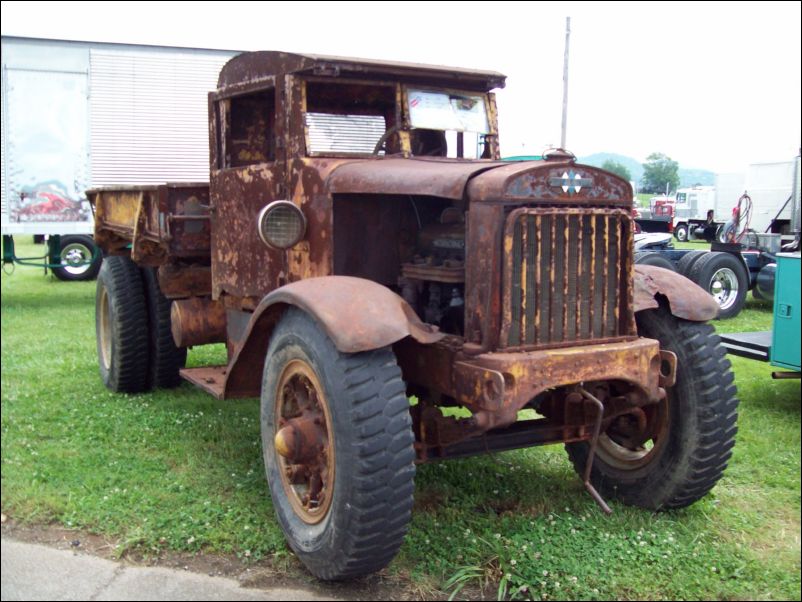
point(175, 471)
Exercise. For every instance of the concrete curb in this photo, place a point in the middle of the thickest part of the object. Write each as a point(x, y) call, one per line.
point(37, 572)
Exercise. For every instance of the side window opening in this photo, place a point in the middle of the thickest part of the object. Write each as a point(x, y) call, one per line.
point(250, 131)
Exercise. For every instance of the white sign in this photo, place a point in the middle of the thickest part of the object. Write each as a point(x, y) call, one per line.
point(442, 111)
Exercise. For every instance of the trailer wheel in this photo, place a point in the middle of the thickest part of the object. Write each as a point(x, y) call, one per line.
point(687, 261)
point(165, 358)
point(654, 258)
point(687, 439)
point(681, 232)
point(76, 251)
point(724, 277)
point(121, 318)
point(337, 443)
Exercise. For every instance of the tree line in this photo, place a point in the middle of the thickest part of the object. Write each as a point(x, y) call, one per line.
point(660, 173)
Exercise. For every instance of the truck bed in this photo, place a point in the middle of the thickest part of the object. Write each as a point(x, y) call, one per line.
point(158, 223)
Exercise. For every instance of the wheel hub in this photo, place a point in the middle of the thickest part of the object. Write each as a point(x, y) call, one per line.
point(631, 439)
point(724, 287)
point(302, 439)
point(76, 258)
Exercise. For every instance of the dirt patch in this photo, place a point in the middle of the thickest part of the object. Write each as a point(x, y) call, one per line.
point(258, 575)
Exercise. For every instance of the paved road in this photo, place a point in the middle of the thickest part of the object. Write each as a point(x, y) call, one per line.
point(37, 572)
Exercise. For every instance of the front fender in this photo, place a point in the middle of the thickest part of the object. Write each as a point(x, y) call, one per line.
point(357, 315)
point(686, 299)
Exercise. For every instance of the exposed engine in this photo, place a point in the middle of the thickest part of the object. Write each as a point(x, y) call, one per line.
point(434, 282)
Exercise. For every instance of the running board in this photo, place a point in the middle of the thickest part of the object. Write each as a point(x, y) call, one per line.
point(211, 379)
point(752, 345)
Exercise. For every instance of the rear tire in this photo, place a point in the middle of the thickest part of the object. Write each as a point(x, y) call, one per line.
point(79, 257)
point(723, 276)
point(687, 261)
point(694, 428)
point(121, 319)
point(654, 258)
point(345, 502)
point(165, 358)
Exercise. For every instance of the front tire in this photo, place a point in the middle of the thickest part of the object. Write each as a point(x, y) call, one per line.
point(681, 232)
point(338, 449)
point(693, 429)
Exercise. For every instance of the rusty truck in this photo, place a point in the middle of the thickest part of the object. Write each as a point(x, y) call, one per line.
point(395, 294)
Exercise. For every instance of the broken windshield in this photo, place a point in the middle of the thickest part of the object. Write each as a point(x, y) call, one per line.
point(436, 110)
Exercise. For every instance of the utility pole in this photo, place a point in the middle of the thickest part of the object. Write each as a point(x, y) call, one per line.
point(565, 82)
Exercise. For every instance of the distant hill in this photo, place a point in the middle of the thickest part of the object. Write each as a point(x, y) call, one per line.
point(687, 176)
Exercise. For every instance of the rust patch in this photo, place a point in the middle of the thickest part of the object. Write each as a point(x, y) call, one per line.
point(161, 223)
point(445, 178)
point(358, 315)
point(197, 321)
point(687, 300)
point(179, 281)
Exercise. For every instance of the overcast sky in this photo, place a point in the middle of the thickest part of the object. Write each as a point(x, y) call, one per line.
point(713, 85)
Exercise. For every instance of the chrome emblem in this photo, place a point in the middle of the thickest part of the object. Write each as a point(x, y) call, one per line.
point(571, 182)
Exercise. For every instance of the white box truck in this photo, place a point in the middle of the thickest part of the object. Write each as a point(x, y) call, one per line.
point(768, 186)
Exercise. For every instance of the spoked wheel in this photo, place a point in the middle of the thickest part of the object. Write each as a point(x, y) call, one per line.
point(304, 445)
point(338, 448)
point(670, 454)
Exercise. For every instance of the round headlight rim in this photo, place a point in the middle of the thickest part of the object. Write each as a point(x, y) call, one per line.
point(271, 206)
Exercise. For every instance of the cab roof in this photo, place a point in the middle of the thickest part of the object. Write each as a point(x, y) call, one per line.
point(254, 66)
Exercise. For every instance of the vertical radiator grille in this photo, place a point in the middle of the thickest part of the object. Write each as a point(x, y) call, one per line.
point(567, 277)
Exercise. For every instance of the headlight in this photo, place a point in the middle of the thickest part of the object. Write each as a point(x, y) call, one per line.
point(281, 225)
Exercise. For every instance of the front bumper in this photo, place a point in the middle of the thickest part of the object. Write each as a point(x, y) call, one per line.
point(495, 386)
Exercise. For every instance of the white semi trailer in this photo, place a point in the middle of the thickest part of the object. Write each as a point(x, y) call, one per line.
point(77, 115)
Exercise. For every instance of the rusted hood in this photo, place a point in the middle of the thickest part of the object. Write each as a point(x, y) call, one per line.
point(423, 175)
point(551, 181)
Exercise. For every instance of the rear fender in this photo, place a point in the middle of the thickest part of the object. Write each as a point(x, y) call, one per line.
point(356, 314)
point(686, 299)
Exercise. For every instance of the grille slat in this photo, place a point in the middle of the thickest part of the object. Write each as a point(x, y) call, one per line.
point(532, 273)
point(566, 282)
point(572, 276)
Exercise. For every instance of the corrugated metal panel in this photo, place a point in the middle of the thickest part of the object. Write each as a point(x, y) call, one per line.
point(149, 116)
point(3, 202)
point(344, 133)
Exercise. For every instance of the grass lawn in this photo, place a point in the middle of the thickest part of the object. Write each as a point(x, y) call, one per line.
point(177, 471)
